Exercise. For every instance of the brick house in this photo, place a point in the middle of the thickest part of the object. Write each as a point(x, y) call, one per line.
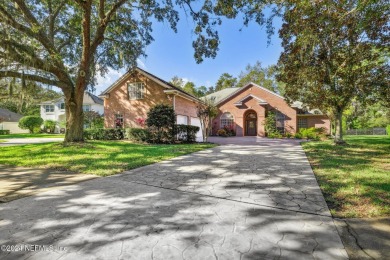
point(244, 109)
point(133, 94)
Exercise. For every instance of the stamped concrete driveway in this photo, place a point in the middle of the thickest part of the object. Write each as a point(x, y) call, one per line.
point(244, 200)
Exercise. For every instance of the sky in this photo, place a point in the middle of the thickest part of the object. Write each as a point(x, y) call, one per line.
point(171, 54)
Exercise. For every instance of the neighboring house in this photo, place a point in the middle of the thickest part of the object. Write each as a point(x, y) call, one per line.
point(10, 120)
point(133, 94)
point(55, 109)
point(244, 110)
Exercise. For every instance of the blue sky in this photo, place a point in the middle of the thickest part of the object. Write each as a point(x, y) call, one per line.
point(172, 54)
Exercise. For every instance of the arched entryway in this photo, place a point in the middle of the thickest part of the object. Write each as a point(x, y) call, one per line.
point(250, 123)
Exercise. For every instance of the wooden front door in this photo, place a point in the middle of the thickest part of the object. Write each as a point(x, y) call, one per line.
point(251, 124)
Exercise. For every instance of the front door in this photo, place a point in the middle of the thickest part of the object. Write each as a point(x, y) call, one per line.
point(251, 124)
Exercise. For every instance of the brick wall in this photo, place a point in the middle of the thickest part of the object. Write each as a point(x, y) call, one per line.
point(274, 102)
point(119, 103)
point(185, 107)
point(319, 121)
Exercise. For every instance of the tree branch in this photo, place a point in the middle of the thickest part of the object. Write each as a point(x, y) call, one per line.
point(14, 74)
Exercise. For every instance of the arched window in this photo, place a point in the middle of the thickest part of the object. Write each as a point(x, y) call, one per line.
point(227, 120)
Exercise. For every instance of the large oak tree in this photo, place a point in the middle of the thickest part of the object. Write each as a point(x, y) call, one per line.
point(64, 43)
point(335, 51)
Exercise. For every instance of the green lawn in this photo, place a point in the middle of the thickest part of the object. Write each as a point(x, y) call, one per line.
point(355, 178)
point(94, 157)
point(11, 136)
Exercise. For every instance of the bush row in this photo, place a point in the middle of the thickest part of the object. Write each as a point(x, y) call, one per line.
point(104, 134)
point(184, 133)
point(4, 132)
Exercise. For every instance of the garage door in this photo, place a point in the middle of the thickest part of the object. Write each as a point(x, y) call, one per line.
point(196, 122)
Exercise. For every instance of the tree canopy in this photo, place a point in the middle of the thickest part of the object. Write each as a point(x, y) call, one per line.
point(334, 52)
point(65, 43)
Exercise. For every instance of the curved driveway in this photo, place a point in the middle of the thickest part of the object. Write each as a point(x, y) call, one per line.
point(247, 199)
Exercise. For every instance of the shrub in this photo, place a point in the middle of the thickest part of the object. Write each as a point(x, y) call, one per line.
point(93, 119)
point(298, 136)
point(161, 124)
point(186, 133)
point(30, 122)
point(312, 133)
point(137, 134)
point(270, 125)
point(229, 130)
point(274, 135)
point(388, 130)
point(50, 125)
point(222, 132)
point(104, 134)
point(4, 132)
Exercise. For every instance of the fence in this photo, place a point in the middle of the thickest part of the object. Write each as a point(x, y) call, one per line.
point(367, 131)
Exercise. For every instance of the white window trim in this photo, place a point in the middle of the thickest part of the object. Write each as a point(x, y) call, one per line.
point(223, 124)
point(48, 112)
point(142, 91)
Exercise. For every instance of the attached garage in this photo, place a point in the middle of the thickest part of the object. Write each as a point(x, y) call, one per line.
point(195, 121)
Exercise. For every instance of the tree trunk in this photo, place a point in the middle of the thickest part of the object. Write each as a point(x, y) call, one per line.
point(74, 116)
point(338, 138)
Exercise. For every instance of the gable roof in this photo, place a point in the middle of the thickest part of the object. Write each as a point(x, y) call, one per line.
point(151, 76)
point(223, 96)
point(9, 116)
point(95, 99)
point(261, 101)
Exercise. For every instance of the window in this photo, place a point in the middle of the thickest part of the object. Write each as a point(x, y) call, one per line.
point(48, 108)
point(279, 118)
point(227, 120)
point(118, 121)
point(62, 106)
point(86, 108)
point(302, 123)
point(136, 90)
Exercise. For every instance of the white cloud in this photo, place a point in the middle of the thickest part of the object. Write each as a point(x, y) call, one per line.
point(141, 64)
point(103, 82)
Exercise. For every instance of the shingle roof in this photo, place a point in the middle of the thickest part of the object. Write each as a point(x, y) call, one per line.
point(95, 99)
point(150, 75)
point(9, 116)
point(216, 97)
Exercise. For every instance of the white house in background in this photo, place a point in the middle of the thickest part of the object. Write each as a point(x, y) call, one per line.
point(55, 109)
point(10, 121)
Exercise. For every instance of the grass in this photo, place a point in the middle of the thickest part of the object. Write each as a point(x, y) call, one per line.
point(355, 179)
point(11, 136)
point(95, 157)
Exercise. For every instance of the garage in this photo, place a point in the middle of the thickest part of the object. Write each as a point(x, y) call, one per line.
point(196, 122)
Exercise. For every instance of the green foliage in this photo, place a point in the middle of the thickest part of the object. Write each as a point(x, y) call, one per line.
point(30, 123)
point(261, 76)
point(49, 125)
point(137, 134)
point(93, 119)
point(311, 133)
point(225, 81)
point(206, 111)
point(270, 124)
point(334, 52)
point(161, 121)
point(186, 133)
point(104, 134)
point(388, 130)
point(4, 132)
point(274, 135)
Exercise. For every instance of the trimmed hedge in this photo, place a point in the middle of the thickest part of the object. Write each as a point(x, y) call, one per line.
point(187, 133)
point(104, 134)
point(137, 134)
point(4, 132)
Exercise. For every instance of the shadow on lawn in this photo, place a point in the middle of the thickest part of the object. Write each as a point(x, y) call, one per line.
point(201, 206)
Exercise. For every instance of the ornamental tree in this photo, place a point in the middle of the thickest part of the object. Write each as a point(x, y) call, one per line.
point(65, 43)
point(30, 123)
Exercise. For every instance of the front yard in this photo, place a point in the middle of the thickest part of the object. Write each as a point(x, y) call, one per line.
point(94, 157)
point(12, 136)
point(355, 179)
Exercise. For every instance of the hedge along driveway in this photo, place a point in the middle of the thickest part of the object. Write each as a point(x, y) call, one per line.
point(94, 157)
